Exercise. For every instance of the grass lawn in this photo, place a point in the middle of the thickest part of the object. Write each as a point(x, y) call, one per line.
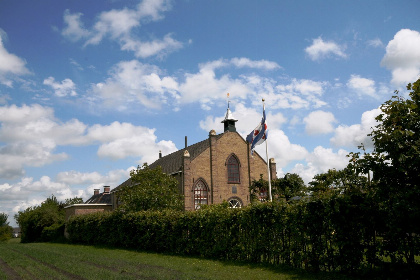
point(65, 261)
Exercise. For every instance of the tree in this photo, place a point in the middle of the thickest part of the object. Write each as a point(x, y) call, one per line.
point(282, 188)
point(44, 222)
point(338, 181)
point(74, 200)
point(5, 230)
point(395, 164)
point(3, 219)
point(151, 189)
point(258, 190)
point(289, 186)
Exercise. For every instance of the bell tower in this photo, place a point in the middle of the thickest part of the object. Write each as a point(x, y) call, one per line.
point(229, 121)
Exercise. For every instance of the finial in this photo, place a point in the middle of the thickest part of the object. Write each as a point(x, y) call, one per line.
point(228, 99)
point(263, 100)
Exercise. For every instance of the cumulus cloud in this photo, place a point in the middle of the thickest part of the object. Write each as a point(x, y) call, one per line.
point(119, 26)
point(281, 149)
point(29, 192)
point(10, 64)
point(362, 86)
point(320, 161)
point(356, 134)
point(74, 29)
point(402, 57)
point(321, 49)
point(159, 47)
point(319, 122)
point(258, 64)
point(133, 81)
point(297, 94)
point(92, 179)
point(31, 134)
point(65, 88)
point(122, 140)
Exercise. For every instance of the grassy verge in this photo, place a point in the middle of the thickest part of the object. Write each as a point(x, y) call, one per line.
point(64, 261)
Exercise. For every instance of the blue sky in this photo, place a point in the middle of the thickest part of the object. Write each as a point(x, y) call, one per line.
point(91, 89)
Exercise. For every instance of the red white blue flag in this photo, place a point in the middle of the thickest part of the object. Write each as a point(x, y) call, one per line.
point(259, 134)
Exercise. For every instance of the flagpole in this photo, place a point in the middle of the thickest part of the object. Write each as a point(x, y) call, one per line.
point(268, 162)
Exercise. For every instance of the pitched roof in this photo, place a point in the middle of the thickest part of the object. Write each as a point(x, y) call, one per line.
point(101, 198)
point(172, 163)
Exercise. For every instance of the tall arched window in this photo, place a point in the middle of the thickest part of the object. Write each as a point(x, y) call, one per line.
point(201, 194)
point(233, 169)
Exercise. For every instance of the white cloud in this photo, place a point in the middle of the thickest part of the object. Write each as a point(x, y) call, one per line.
point(258, 64)
point(356, 134)
point(204, 86)
point(65, 88)
point(159, 47)
point(321, 49)
point(375, 43)
point(113, 178)
point(403, 57)
point(297, 94)
point(119, 26)
point(10, 64)
point(31, 134)
point(122, 140)
point(27, 192)
point(153, 9)
point(362, 86)
point(320, 161)
point(319, 122)
point(74, 29)
point(133, 81)
point(281, 149)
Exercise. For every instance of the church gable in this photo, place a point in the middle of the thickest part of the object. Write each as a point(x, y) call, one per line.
point(225, 168)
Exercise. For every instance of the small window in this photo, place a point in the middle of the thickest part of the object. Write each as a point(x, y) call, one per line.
point(200, 194)
point(233, 169)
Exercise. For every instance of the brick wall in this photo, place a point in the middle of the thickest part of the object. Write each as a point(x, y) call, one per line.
point(80, 209)
point(211, 166)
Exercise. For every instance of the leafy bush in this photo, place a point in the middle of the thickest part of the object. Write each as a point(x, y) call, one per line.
point(6, 231)
point(44, 222)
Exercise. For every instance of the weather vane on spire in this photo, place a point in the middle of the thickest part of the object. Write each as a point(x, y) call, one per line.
point(228, 99)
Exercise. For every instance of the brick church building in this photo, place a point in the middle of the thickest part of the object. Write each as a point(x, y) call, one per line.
point(219, 168)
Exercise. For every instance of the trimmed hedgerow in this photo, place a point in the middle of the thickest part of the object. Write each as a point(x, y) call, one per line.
point(323, 233)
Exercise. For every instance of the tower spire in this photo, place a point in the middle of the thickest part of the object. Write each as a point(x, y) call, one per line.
point(229, 121)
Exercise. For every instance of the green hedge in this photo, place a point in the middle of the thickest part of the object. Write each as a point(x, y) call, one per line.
point(330, 234)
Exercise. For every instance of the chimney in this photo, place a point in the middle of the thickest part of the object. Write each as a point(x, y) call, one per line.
point(186, 145)
point(160, 154)
point(107, 189)
point(95, 191)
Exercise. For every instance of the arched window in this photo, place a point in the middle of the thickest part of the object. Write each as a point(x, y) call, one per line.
point(201, 194)
point(235, 202)
point(233, 169)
